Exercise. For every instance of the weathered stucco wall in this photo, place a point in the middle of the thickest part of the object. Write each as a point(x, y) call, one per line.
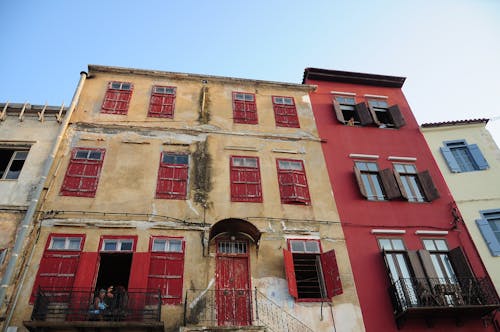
point(473, 191)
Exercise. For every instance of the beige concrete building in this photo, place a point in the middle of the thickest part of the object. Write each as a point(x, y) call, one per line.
point(27, 134)
point(470, 162)
point(203, 200)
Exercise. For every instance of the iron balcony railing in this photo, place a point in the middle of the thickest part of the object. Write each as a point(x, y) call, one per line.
point(414, 293)
point(238, 307)
point(139, 305)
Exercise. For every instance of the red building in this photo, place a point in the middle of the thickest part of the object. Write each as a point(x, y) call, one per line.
point(414, 264)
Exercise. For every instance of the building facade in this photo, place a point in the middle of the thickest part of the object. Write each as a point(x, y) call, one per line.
point(414, 264)
point(27, 134)
point(470, 162)
point(200, 200)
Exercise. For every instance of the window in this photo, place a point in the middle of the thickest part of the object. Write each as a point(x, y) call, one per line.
point(311, 275)
point(245, 179)
point(244, 108)
point(172, 176)
point(438, 250)
point(59, 263)
point(162, 102)
point(11, 163)
point(293, 182)
point(385, 115)
point(166, 268)
point(350, 113)
point(369, 181)
point(82, 175)
point(463, 157)
point(117, 245)
point(415, 187)
point(489, 225)
point(117, 98)
point(285, 112)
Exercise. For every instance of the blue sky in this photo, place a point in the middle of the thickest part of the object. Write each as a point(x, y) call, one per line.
point(449, 50)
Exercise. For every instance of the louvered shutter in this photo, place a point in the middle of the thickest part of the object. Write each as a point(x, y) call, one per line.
point(390, 184)
point(430, 190)
point(489, 236)
point(478, 156)
point(397, 118)
point(357, 174)
point(331, 274)
point(250, 112)
point(460, 264)
point(138, 277)
point(364, 115)
point(428, 266)
point(338, 111)
point(450, 159)
point(290, 273)
point(166, 274)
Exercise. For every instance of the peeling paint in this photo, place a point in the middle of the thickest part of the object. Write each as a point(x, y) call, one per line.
point(195, 300)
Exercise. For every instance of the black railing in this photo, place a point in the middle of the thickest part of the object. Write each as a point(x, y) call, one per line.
point(409, 293)
point(140, 305)
point(237, 307)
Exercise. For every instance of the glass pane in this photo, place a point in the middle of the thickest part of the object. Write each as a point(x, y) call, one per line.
point(312, 246)
point(278, 100)
point(82, 154)
point(366, 184)
point(283, 164)
point(397, 244)
point(96, 155)
point(74, 243)
point(447, 265)
point(126, 245)
point(385, 244)
point(297, 246)
point(248, 97)
point(115, 85)
point(250, 162)
point(372, 167)
point(182, 159)
point(377, 186)
point(361, 166)
point(392, 267)
point(405, 273)
point(175, 245)
point(239, 96)
point(441, 245)
point(159, 245)
point(437, 267)
point(58, 243)
point(399, 168)
point(410, 169)
point(288, 101)
point(110, 245)
point(21, 155)
point(125, 86)
point(429, 245)
point(238, 161)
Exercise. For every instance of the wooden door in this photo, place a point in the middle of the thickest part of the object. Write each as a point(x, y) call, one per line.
point(233, 293)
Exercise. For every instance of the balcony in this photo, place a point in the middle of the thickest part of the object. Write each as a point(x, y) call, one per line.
point(433, 298)
point(71, 309)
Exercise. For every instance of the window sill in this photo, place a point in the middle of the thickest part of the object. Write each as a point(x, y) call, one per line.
point(313, 300)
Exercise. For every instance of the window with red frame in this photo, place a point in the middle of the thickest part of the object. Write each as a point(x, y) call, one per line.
point(162, 102)
point(245, 179)
point(312, 275)
point(59, 264)
point(285, 112)
point(166, 268)
point(244, 108)
point(117, 98)
point(293, 182)
point(82, 175)
point(172, 176)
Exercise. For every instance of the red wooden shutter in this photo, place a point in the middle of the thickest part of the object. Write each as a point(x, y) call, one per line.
point(87, 270)
point(172, 179)
point(116, 100)
point(293, 184)
point(290, 273)
point(166, 273)
point(162, 104)
point(245, 182)
point(244, 108)
point(285, 114)
point(331, 274)
point(82, 175)
point(138, 276)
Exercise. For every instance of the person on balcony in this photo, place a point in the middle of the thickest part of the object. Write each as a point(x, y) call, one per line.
point(98, 306)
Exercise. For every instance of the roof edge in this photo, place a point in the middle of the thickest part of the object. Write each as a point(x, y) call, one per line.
point(454, 123)
point(352, 77)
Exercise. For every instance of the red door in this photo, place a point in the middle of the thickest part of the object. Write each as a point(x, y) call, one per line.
point(233, 294)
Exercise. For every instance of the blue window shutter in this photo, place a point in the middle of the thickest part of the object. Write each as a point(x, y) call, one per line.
point(478, 156)
point(450, 160)
point(489, 236)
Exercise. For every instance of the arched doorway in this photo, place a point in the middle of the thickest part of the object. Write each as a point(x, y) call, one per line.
point(232, 275)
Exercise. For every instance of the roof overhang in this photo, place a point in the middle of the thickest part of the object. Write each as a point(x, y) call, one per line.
point(233, 226)
point(352, 77)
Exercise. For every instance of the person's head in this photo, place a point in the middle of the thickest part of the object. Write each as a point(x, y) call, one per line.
point(102, 293)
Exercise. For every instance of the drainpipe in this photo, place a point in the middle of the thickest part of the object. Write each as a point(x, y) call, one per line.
point(25, 224)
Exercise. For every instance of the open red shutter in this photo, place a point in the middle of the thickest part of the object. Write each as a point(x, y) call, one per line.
point(86, 272)
point(331, 274)
point(290, 273)
point(138, 271)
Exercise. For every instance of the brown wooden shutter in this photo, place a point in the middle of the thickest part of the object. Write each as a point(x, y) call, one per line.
point(374, 115)
point(416, 265)
point(404, 194)
point(389, 183)
point(430, 272)
point(430, 190)
point(364, 115)
point(460, 264)
point(397, 118)
point(338, 111)
point(361, 186)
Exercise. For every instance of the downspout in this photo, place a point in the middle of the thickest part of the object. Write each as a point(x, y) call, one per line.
point(25, 224)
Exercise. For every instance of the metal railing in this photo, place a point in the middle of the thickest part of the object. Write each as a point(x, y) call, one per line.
point(54, 304)
point(408, 293)
point(238, 307)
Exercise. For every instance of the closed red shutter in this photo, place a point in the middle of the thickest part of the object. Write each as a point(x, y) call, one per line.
point(331, 274)
point(162, 102)
point(244, 108)
point(285, 114)
point(290, 273)
point(117, 99)
point(293, 182)
point(245, 181)
point(166, 274)
point(172, 177)
point(82, 175)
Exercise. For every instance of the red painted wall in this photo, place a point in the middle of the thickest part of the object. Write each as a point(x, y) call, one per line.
point(359, 216)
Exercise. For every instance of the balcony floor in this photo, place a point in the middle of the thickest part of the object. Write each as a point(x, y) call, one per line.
point(56, 326)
